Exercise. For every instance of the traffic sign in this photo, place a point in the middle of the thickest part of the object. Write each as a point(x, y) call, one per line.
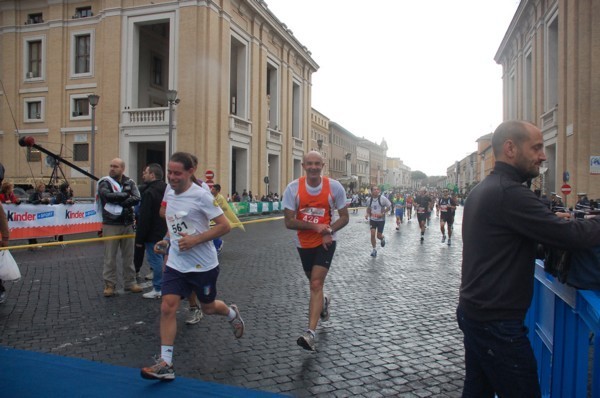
point(565, 189)
point(209, 174)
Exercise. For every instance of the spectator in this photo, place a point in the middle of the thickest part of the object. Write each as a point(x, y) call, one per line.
point(1, 173)
point(64, 196)
point(152, 228)
point(5, 232)
point(7, 194)
point(37, 198)
point(118, 195)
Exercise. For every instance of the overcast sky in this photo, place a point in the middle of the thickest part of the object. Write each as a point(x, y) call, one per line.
point(420, 74)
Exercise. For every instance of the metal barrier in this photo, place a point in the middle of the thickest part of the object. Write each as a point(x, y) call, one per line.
point(564, 330)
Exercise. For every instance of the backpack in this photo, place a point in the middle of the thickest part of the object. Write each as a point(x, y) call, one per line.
point(378, 200)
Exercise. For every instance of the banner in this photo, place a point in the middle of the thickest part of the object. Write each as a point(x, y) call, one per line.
point(245, 208)
point(27, 221)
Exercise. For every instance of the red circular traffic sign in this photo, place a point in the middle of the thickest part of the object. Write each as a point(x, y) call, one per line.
point(209, 174)
point(210, 183)
point(565, 189)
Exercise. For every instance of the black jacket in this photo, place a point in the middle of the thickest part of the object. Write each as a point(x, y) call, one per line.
point(151, 227)
point(503, 221)
point(127, 198)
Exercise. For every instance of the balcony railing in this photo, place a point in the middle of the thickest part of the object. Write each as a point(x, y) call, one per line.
point(146, 116)
point(298, 143)
point(240, 125)
point(274, 135)
point(549, 119)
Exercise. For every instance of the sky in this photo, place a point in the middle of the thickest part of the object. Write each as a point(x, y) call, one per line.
point(420, 74)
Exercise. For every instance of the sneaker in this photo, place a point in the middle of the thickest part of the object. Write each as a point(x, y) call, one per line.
point(159, 371)
point(152, 294)
point(325, 311)
point(443, 238)
point(422, 239)
point(109, 290)
point(449, 241)
point(397, 228)
point(2, 297)
point(134, 288)
point(195, 317)
point(149, 276)
point(237, 323)
point(383, 241)
point(374, 253)
point(307, 341)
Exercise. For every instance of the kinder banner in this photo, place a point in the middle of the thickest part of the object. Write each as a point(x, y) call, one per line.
point(36, 221)
point(243, 208)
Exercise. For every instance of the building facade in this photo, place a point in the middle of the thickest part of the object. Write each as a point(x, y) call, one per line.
point(240, 84)
point(551, 78)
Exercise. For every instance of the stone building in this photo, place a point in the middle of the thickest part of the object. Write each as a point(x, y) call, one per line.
point(549, 57)
point(239, 81)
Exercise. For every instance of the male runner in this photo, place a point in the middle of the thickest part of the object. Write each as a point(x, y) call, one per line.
point(447, 206)
point(309, 205)
point(399, 204)
point(423, 205)
point(377, 207)
point(409, 206)
point(192, 264)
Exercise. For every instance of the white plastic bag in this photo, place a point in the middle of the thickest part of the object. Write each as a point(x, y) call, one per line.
point(9, 270)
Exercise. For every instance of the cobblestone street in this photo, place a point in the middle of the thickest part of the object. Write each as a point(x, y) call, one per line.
point(392, 330)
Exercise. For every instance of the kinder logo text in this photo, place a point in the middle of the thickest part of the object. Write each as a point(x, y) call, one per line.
point(27, 216)
point(70, 215)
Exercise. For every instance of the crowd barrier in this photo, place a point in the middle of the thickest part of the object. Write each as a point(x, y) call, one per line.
point(564, 330)
point(27, 221)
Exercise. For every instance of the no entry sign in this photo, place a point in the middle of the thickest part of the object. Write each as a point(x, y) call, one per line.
point(209, 175)
point(565, 189)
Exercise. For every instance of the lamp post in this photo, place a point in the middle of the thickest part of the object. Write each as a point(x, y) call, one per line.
point(172, 100)
point(93, 100)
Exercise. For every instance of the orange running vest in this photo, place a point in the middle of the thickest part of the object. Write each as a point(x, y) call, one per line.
point(314, 209)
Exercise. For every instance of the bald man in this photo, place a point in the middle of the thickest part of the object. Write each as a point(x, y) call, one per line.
point(503, 221)
point(118, 194)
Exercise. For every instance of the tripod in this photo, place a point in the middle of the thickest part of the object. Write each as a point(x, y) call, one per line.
point(54, 177)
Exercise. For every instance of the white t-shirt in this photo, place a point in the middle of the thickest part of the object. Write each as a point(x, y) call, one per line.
point(191, 212)
point(337, 200)
point(377, 209)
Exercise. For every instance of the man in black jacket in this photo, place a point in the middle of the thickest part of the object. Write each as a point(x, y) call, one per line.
point(151, 227)
point(503, 221)
point(118, 194)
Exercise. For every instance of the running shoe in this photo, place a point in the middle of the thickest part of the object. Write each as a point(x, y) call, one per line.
point(307, 341)
point(443, 238)
point(383, 241)
point(159, 371)
point(195, 317)
point(152, 294)
point(422, 239)
point(374, 253)
point(325, 311)
point(2, 297)
point(237, 323)
point(397, 228)
point(449, 241)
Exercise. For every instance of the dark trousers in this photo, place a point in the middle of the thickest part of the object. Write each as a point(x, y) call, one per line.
point(498, 359)
point(138, 257)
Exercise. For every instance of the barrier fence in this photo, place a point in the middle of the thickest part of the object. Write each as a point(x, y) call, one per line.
point(27, 221)
point(564, 330)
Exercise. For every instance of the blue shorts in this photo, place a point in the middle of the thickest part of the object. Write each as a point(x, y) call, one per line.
point(204, 284)
point(399, 211)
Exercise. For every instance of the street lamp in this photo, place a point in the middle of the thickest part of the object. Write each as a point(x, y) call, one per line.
point(320, 143)
point(93, 100)
point(172, 100)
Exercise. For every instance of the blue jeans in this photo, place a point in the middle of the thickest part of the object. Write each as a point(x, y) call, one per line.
point(156, 262)
point(498, 359)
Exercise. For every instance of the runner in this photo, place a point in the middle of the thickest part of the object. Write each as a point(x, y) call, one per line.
point(399, 203)
point(447, 206)
point(377, 208)
point(409, 206)
point(309, 205)
point(192, 264)
point(423, 205)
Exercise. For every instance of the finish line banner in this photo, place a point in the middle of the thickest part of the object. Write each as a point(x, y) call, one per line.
point(27, 221)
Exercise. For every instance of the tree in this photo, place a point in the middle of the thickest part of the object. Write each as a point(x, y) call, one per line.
point(417, 175)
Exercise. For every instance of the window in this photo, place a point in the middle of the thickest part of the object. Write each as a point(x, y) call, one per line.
point(83, 12)
point(82, 54)
point(273, 96)
point(81, 152)
point(82, 50)
point(157, 71)
point(34, 18)
point(238, 78)
point(34, 54)
point(80, 107)
point(551, 67)
point(33, 155)
point(296, 110)
point(34, 110)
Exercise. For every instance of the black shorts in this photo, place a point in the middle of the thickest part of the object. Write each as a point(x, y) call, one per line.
point(204, 284)
point(316, 256)
point(378, 225)
point(422, 217)
point(447, 218)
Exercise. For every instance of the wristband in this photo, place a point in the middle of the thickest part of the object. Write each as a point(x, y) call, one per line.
point(166, 238)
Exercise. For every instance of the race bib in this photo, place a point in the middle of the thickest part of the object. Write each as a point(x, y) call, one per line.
point(179, 223)
point(313, 215)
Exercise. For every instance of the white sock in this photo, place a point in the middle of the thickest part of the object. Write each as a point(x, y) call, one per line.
point(231, 315)
point(166, 353)
point(311, 332)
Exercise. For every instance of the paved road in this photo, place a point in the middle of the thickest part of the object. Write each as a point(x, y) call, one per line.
point(392, 330)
